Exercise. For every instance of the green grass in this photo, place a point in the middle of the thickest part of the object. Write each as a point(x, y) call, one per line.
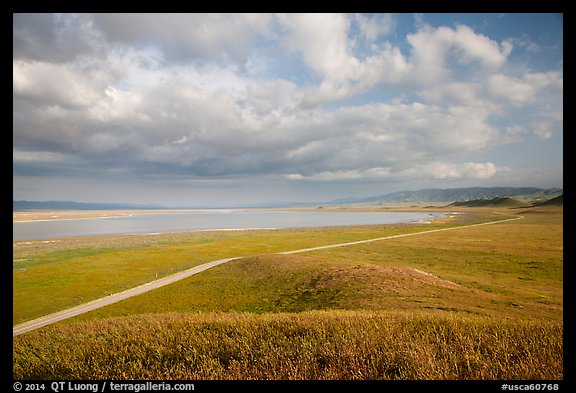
point(49, 276)
point(508, 269)
point(308, 345)
point(52, 276)
point(474, 303)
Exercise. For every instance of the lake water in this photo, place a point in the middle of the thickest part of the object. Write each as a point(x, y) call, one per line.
point(206, 220)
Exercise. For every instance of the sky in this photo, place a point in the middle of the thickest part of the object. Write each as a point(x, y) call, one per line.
point(247, 109)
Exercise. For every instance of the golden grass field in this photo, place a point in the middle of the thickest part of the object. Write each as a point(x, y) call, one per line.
point(482, 302)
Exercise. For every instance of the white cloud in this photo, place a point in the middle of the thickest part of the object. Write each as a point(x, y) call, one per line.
point(454, 93)
point(513, 89)
point(522, 90)
point(327, 176)
point(322, 39)
point(432, 48)
point(468, 170)
point(326, 47)
point(375, 26)
point(187, 37)
point(22, 156)
point(349, 103)
point(274, 96)
point(184, 125)
point(56, 83)
point(261, 130)
point(477, 47)
point(119, 107)
point(436, 169)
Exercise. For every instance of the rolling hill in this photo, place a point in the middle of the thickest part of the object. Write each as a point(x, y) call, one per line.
point(427, 196)
point(450, 195)
point(494, 202)
point(508, 202)
point(556, 201)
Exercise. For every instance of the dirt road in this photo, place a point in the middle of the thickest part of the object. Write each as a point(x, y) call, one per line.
point(71, 312)
point(93, 305)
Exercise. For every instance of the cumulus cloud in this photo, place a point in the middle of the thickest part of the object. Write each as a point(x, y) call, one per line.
point(432, 48)
point(435, 54)
point(468, 170)
point(57, 84)
point(523, 90)
point(329, 52)
point(435, 169)
point(122, 93)
point(187, 37)
point(373, 26)
point(184, 125)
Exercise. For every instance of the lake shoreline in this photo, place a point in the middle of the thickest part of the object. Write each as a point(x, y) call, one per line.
point(134, 222)
point(57, 215)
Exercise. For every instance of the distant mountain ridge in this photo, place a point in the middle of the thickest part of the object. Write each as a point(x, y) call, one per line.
point(450, 195)
point(71, 205)
point(426, 196)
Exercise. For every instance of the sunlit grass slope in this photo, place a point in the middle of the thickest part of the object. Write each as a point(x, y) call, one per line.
point(308, 345)
point(507, 269)
point(52, 275)
point(474, 303)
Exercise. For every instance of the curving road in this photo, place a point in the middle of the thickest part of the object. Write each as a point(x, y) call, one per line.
point(95, 304)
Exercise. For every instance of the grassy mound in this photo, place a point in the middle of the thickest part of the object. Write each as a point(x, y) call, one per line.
point(511, 269)
point(494, 202)
point(557, 201)
point(50, 276)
